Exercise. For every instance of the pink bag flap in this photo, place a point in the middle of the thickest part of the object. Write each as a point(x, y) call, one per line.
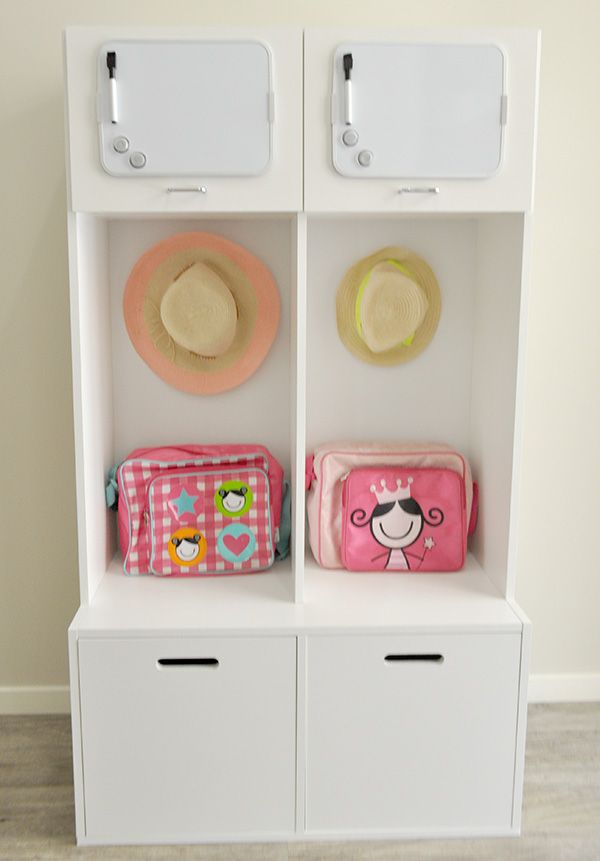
point(403, 519)
point(210, 521)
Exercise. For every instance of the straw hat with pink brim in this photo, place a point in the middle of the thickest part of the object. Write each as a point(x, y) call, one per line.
point(388, 306)
point(201, 311)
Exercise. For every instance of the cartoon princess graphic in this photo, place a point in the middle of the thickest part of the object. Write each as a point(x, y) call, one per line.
point(396, 523)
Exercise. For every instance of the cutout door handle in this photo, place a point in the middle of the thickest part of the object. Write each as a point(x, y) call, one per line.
point(187, 662)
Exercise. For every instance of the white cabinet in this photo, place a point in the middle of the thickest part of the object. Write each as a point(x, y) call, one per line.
point(466, 163)
point(188, 737)
point(274, 187)
point(263, 707)
point(411, 733)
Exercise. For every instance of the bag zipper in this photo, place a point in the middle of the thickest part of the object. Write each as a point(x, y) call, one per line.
point(171, 463)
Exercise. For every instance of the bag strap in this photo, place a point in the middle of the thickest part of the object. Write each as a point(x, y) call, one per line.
point(282, 547)
point(474, 509)
point(112, 489)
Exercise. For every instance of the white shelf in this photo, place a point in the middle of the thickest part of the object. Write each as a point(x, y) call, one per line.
point(263, 603)
point(465, 600)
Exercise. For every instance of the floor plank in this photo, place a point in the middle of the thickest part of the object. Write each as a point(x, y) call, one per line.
point(561, 818)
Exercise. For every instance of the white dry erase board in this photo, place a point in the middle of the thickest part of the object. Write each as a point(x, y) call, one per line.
point(418, 111)
point(185, 108)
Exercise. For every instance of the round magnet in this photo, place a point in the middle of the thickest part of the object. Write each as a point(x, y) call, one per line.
point(350, 137)
point(137, 159)
point(121, 144)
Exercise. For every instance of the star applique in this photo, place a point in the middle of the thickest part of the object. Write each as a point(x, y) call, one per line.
point(429, 543)
point(184, 503)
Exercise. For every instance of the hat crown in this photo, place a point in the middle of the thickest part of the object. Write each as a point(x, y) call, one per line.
point(199, 311)
point(392, 306)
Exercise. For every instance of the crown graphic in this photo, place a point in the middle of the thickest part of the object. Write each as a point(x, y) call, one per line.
point(387, 495)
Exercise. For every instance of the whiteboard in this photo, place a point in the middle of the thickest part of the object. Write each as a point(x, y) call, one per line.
point(419, 111)
point(185, 108)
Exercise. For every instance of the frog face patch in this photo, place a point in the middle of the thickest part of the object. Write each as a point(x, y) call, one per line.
point(233, 499)
point(187, 546)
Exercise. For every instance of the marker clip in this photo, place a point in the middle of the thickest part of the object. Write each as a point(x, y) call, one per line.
point(111, 65)
point(348, 64)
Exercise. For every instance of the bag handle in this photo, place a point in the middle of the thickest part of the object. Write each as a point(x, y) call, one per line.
point(474, 510)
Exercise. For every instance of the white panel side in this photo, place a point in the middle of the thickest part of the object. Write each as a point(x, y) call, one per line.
point(77, 741)
point(277, 189)
point(93, 395)
point(298, 371)
point(76, 359)
point(426, 398)
point(513, 544)
point(301, 683)
point(495, 354)
point(521, 729)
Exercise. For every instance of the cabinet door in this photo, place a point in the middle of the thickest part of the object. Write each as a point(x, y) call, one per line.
point(245, 128)
point(411, 734)
point(184, 739)
point(431, 121)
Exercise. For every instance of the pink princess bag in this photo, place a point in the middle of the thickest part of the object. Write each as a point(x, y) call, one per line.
point(390, 506)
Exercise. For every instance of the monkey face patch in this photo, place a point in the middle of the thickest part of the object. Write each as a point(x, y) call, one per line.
point(233, 498)
point(187, 546)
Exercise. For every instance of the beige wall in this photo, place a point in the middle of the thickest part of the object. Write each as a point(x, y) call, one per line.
point(559, 577)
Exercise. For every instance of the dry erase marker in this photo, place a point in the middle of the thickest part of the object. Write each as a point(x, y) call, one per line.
point(347, 89)
point(111, 64)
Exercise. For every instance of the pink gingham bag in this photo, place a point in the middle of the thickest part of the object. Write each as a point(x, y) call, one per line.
point(198, 510)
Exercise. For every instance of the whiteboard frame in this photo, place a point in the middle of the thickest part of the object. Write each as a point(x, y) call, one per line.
point(336, 97)
point(134, 173)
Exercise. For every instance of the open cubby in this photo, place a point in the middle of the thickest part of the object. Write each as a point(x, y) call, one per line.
point(127, 405)
point(461, 390)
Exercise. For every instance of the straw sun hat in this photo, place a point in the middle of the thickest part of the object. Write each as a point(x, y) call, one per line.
point(388, 306)
point(201, 311)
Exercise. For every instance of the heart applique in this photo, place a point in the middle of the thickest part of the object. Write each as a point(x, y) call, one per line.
point(236, 546)
point(236, 543)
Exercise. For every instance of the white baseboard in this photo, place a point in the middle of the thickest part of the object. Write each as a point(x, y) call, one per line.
point(564, 688)
point(35, 700)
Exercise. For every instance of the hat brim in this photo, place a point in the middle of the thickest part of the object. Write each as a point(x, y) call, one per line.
point(252, 285)
point(346, 307)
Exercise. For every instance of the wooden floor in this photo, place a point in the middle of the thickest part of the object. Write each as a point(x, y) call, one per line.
point(561, 813)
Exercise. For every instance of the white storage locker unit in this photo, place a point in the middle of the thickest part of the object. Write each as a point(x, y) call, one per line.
point(304, 703)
